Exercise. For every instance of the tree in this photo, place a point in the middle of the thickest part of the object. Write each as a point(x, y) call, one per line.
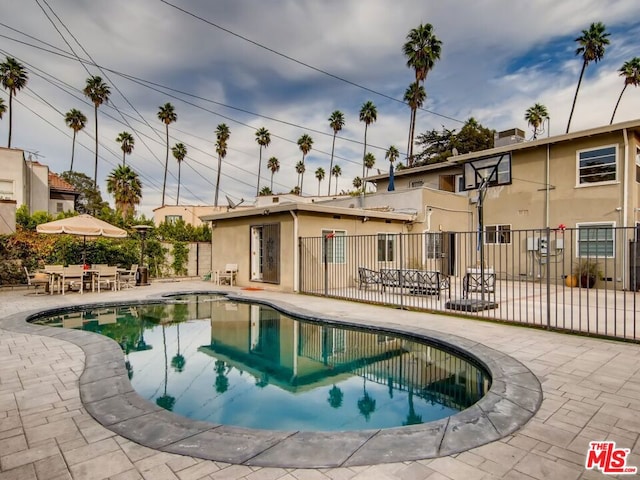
point(13, 77)
point(422, 49)
point(222, 137)
point(3, 108)
point(336, 171)
point(98, 92)
point(414, 97)
point(165, 401)
point(179, 152)
point(592, 45)
point(76, 121)
point(438, 145)
point(305, 142)
point(167, 115)
point(300, 168)
point(274, 165)
point(369, 161)
point(335, 397)
point(392, 154)
point(336, 122)
point(535, 116)
point(357, 183)
point(90, 199)
point(126, 141)
point(366, 404)
point(320, 177)
point(263, 137)
point(178, 361)
point(124, 184)
point(265, 191)
point(631, 73)
point(368, 115)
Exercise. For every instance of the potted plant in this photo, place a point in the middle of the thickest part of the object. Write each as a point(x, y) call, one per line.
point(587, 272)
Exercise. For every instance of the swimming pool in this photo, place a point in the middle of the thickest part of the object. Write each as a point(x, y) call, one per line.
point(242, 364)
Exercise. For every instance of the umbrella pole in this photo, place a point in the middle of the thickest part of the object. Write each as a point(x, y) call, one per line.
point(84, 250)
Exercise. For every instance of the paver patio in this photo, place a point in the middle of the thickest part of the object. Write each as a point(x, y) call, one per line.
point(591, 392)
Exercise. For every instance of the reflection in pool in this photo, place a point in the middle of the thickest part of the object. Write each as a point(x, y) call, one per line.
point(248, 365)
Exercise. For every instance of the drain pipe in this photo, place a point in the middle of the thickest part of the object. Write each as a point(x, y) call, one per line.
point(625, 206)
point(296, 253)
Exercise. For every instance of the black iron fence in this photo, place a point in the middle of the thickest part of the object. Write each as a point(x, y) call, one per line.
point(582, 279)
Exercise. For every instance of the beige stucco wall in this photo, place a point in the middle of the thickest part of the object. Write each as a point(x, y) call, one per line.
point(190, 213)
point(13, 170)
point(7, 217)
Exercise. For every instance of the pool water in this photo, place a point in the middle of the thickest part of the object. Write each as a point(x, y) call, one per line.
point(212, 359)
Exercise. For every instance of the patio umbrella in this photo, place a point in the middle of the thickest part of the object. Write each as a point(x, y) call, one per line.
point(83, 225)
point(392, 185)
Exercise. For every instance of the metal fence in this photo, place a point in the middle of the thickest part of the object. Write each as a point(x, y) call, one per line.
point(582, 279)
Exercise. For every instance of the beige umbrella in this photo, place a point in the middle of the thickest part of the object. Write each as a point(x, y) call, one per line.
point(84, 225)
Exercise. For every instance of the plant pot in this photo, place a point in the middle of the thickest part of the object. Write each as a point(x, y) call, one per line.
point(587, 281)
point(571, 281)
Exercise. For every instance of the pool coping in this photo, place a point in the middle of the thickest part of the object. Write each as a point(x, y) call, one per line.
point(106, 393)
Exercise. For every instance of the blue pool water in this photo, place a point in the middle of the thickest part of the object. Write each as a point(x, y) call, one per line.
point(212, 359)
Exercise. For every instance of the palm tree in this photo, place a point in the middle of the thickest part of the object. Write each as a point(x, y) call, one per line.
point(304, 142)
point(335, 397)
point(631, 73)
point(422, 50)
point(336, 122)
point(592, 45)
point(178, 361)
point(414, 97)
point(535, 116)
point(167, 115)
point(336, 171)
point(126, 141)
point(368, 115)
point(14, 78)
point(222, 137)
point(369, 161)
point(366, 404)
point(320, 177)
point(98, 92)
point(165, 401)
point(274, 165)
point(392, 154)
point(76, 121)
point(263, 137)
point(222, 381)
point(3, 108)
point(126, 188)
point(357, 183)
point(179, 152)
point(265, 191)
point(300, 168)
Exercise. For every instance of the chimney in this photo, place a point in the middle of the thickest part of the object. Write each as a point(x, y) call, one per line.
point(508, 137)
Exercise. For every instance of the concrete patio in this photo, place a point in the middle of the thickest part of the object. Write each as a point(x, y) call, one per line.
point(591, 392)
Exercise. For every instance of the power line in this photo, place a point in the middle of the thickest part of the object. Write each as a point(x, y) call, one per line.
point(299, 62)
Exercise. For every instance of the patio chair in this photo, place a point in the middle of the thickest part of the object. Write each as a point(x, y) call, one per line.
point(127, 278)
point(71, 276)
point(107, 276)
point(475, 282)
point(229, 273)
point(367, 276)
point(38, 280)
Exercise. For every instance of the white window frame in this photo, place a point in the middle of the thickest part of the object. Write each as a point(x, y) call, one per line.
point(8, 193)
point(498, 228)
point(611, 225)
point(592, 184)
point(459, 184)
point(390, 241)
point(334, 253)
point(432, 250)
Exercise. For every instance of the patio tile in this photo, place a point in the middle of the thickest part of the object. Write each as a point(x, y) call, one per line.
point(101, 467)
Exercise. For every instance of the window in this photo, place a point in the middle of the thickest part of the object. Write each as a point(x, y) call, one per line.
point(336, 245)
point(596, 240)
point(6, 189)
point(416, 183)
point(172, 218)
point(497, 234)
point(433, 245)
point(597, 166)
point(265, 253)
point(460, 184)
point(59, 207)
point(386, 247)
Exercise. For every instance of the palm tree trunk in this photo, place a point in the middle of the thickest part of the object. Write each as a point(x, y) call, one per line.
point(302, 176)
point(179, 168)
point(123, 158)
point(318, 187)
point(333, 146)
point(336, 185)
point(413, 131)
point(573, 106)
point(10, 117)
point(215, 203)
point(271, 182)
point(166, 165)
point(618, 103)
point(410, 137)
point(366, 125)
point(73, 150)
point(259, 167)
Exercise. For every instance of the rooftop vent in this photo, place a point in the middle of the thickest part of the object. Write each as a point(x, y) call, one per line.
point(508, 137)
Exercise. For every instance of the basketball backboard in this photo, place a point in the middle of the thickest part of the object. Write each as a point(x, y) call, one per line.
point(497, 169)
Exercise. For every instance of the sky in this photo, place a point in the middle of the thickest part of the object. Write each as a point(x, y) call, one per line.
point(285, 65)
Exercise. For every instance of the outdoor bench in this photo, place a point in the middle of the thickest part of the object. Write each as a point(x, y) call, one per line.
point(367, 277)
point(419, 282)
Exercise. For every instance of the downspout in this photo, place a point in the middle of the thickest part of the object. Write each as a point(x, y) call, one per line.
point(213, 226)
point(296, 257)
point(625, 206)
